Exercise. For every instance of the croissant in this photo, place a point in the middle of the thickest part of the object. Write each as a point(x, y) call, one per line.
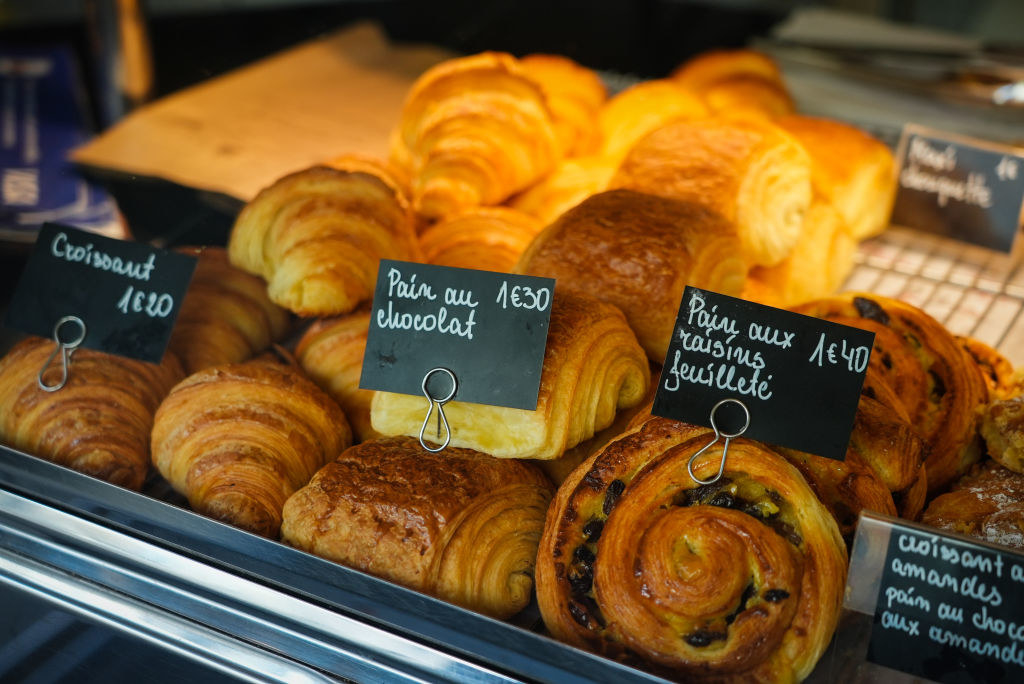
point(473, 131)
point(732, 81)
point(851, 169)
point(460, 525)
point(316, 236)
point(238, 439)
point(484, 238)
point(98, 423)
point(940, 386)
point(987, 503)
point(574, 95)
point(752, 172)
point(226, 316)
point(331, 353)
point(636, 111)
point(1000, 376)
point(593, 367)
point(741, 580)
point(572, 181)
point(819, 263)
point(638, 252)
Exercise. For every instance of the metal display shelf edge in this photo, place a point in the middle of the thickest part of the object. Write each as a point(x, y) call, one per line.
point(162, 550)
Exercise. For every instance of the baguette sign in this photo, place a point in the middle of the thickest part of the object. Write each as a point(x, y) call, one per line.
point(126, 293)
point(799, 377)
point(489, 329)
point(949, 609)
point(967, 189)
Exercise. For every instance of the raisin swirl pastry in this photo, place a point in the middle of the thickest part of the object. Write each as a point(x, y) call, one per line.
point(98, 423)
point(941, 387)
point(741, 580)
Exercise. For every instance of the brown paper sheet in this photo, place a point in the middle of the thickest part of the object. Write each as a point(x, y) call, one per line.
point(240, 132)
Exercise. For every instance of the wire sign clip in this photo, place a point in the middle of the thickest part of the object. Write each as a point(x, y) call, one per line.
point(439, 403)
point(65, 349)
point(718, 435)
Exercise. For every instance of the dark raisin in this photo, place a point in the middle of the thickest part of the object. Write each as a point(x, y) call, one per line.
point(592, 530)
point(869, 392)
point(887, 361)
point(754, 511)
point(590, 606)
point(612, 497)
point(775, 497)
point(775, 595)
point(938, 387)
point(581, 584)
point(702, 638)
point(787, 532)
point(579, 614)
point(742, 605)
point(593, 481)
point(869, 308)
point(723, 500)
point(584, 555)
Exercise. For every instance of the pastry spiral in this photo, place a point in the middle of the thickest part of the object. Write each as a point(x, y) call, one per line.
point(459, 525)
point(331, 353)
point(98, 423)
point(638, 252)
point(593, 367)
point(473, 131)
point(752, 172)
point(484, 238)
point(237, 440)
point(226, 316)
point(316, 236)
point(940, 386)
point(741, 580)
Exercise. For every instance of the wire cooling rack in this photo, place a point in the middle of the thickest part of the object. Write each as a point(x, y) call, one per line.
point(973, 291)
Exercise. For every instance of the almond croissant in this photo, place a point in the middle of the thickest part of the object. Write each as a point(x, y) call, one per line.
point(98, 423)
point(237, 440)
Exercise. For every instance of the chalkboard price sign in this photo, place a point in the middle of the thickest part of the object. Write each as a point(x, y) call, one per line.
point(968, 189)
point(949, 609)
point(489, 329)
point(799, 377)
point(127, 294)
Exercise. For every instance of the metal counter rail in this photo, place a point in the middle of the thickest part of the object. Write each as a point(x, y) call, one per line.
point(260, 593)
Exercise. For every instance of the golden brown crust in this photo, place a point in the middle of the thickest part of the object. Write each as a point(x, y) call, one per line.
point(1000, 377)
point(238, 439)
point(331, 353)
point(737, 81)
point(750, 171)
point(987, 503)
point(226, 316)
point(636, 111)
point(458, 525)
point(575, 95)
point(572, 181)
point(638, 252)
point(473, 131)
point(483, 238)
point(593, 367)
point(737, 581)
point(941, 388)
point(715, 66)
point(1003, 430)
point(316, 236)
point(98, 423)
point(855, 172)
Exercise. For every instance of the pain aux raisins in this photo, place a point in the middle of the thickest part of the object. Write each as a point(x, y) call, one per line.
point(748, 593)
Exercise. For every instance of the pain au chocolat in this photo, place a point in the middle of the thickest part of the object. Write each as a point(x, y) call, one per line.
point(459, 525)
point(741, 580)
point(593, 367)
point(638, 251)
